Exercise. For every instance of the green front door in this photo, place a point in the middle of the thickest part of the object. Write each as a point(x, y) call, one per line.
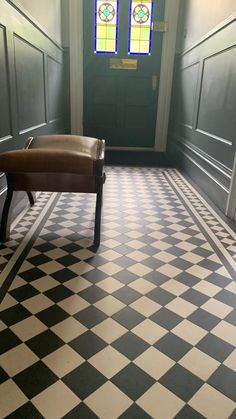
point(120, 105)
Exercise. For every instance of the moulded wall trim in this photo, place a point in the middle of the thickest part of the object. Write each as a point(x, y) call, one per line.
point(2, 191)
point(208, 174)
point(21, 9)
point(212, 32)
point(166, 75)
point(231, 203)
point(218, 166)
point(130, 148)
point(76, 65)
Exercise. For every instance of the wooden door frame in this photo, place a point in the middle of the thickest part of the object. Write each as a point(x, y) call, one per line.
point(76, 65)
point(166, 74)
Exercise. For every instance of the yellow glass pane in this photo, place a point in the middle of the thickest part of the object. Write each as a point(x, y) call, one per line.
point(101, 44)
point(144, 46)
point(101, 32)
point(111, 32)
point(144, 34)
point(135, 33)
point(134, 46)
point(110, 45)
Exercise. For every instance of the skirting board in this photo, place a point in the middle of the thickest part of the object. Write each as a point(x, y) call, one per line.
point(136, 158)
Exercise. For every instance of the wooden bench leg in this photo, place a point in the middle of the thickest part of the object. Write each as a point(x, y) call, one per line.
point(98, 212)
point(32, 198)
point(6, 217)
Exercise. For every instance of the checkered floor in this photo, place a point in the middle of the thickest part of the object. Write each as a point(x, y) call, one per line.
point(144, 328)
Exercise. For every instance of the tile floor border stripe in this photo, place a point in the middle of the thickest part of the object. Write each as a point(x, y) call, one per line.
point(216, 244)
point(12, 267)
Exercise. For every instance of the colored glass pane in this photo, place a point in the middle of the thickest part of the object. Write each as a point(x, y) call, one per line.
point(106, 27)
point(140, 27)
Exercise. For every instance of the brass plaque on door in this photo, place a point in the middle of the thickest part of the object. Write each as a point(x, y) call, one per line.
point(123, 64)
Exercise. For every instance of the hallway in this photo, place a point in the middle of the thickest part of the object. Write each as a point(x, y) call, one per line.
point(148, 322)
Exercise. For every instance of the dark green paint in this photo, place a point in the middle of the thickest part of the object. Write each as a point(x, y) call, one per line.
point(202, 131)
point(33, 83)
point(120, 105)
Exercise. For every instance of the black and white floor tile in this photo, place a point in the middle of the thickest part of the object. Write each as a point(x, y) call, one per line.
point(143, 328)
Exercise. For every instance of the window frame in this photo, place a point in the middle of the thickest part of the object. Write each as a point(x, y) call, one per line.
point(150, 29)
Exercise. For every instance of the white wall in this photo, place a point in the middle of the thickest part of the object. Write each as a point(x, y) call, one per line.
point(65, 22)
point(197, 17)
point(47, 13)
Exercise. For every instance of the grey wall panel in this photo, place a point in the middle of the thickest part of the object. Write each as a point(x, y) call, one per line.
point(202, 132)
point(5, 126)
point(26, 65)
point(29, 64)
point(218, 99)
point(206, 162)
point(55, 88)
point(187, 85)
point(32, 83)
point(201, 174)
point(217, 148)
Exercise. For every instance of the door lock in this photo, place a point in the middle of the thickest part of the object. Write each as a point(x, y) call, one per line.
point(160, 26)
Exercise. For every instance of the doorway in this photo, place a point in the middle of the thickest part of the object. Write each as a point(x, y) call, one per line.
point(121, 89)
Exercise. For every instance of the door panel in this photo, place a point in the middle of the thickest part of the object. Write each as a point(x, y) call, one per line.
point(5, 125)
point(120, 105)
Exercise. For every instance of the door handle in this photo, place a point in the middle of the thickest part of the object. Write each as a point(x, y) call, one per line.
point(154, 83)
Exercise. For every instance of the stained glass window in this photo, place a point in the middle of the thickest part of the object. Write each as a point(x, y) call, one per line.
point(140, 27)
point(106, 26)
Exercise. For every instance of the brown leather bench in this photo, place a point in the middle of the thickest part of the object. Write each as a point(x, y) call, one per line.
point(55, 163)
